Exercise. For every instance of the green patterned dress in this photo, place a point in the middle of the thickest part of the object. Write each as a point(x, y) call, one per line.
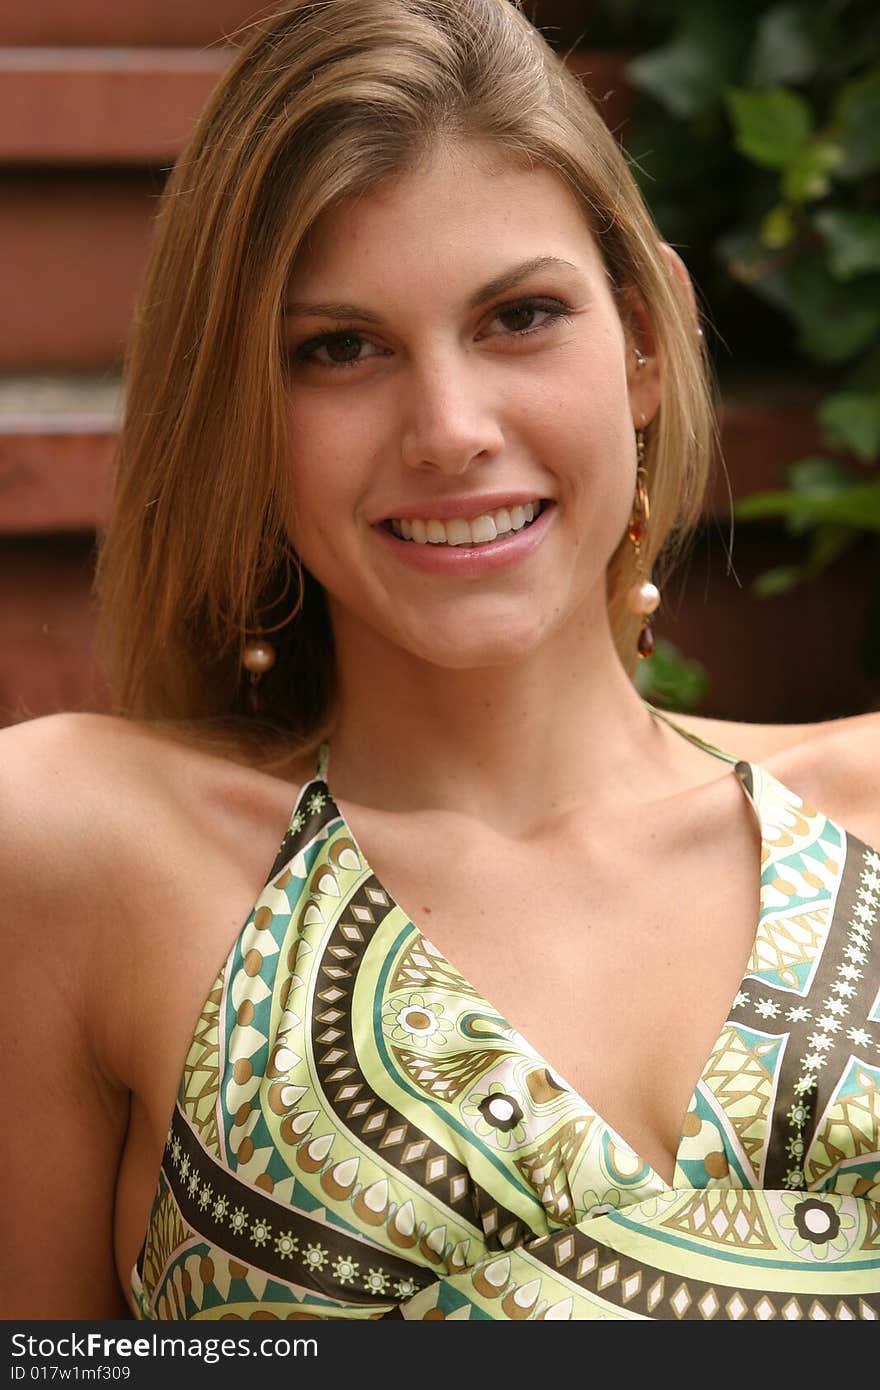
point(359, 1134)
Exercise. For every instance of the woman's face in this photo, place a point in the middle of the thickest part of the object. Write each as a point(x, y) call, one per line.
point(418, 389)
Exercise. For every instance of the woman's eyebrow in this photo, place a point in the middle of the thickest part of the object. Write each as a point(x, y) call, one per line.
point(507, 280)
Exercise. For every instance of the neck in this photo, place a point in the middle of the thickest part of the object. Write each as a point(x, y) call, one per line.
point(515, 746)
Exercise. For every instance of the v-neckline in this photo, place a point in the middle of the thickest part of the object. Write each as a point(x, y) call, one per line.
point(745, 773)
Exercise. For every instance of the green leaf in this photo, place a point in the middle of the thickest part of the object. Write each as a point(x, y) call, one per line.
point(671, 680)
point(853, 239)
point(856, 125)
point(863, 376)
point(770, 127)
point(851, 420)
point(689, 73)
point(817, 475)
point(776, 581)
point(807, 177)
point(827, 544)
point(835, 318)
point(786, 49)
point(778, 227)
point(857, 506)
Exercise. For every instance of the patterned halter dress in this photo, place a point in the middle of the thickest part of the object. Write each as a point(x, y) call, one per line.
point(358, 1133)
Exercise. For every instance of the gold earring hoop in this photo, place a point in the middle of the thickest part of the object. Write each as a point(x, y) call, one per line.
point(643, 596)
point(258, 655)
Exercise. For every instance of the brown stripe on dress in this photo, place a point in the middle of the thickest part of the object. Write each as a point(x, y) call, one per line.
point(656, 1293)
point(278, 1218)
point(347, 1094)
point(315, 821)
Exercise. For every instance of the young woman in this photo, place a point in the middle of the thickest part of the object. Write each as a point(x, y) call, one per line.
point(548, 1006)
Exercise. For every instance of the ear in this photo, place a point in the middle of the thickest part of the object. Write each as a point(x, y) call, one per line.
point(680, 271)
point(642, 361)
point(644, 381)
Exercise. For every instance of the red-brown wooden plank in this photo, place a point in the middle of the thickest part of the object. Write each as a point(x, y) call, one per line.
point(111, 23)
point(72, 251)
point(54, 481)
point(102, 106)
point(114, 22)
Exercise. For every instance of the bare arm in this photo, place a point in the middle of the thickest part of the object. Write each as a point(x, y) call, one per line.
point(64, 1119)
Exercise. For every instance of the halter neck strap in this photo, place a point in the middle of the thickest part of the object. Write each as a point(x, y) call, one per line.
point(691, 738)
point(323, 761)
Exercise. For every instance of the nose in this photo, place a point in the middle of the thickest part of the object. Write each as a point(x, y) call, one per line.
point(449, 419)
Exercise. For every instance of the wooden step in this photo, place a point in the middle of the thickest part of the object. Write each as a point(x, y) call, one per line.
point(109, 23)
point(148, 22)
point(57, 439)
point(72, 251)
point(102, 106)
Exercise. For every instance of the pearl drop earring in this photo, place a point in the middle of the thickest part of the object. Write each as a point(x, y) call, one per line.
point(643, 597)
point(257, 657)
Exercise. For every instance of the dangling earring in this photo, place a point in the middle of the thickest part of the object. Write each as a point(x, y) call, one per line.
point(644, 596)
point(258, 655)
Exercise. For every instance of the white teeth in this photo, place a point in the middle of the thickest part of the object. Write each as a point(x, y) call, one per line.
point(483, 529)
point(457, 531)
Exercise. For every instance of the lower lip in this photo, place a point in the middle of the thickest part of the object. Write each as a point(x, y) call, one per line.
point(471, 561)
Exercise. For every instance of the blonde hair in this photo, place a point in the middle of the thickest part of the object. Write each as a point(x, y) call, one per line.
point(322, 102)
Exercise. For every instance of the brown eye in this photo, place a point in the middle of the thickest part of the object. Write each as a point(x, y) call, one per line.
point(522, 316)
point(342, 349)
point(519, 320)
point(345, 348)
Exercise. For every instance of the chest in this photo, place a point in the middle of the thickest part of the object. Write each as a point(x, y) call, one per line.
point(615, 956)
point(618, 966)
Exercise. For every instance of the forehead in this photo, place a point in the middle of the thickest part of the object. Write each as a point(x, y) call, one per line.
point(462, 211)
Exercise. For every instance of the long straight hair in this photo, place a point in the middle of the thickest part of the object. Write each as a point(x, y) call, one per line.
point(323, 101)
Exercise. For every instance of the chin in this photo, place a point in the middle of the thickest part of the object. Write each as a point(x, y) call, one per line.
point(471, 650)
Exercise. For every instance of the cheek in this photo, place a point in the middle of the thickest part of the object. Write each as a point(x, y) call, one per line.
point(310, 518)
point(593, 439)
point(321, 465)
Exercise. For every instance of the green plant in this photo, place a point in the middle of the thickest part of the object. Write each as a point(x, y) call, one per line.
point(670, 680)
point(756, 141)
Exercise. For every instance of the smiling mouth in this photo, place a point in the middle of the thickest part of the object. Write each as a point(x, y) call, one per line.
point(478, 534)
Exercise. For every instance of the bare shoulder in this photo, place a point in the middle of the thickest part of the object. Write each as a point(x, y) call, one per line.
point(832, 764)
point(101, 818)
point(73, 786)
point(77, 795)
point(55, 774)
point(59, 772)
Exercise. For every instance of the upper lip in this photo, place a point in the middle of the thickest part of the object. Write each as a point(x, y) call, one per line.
point(445, 508)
